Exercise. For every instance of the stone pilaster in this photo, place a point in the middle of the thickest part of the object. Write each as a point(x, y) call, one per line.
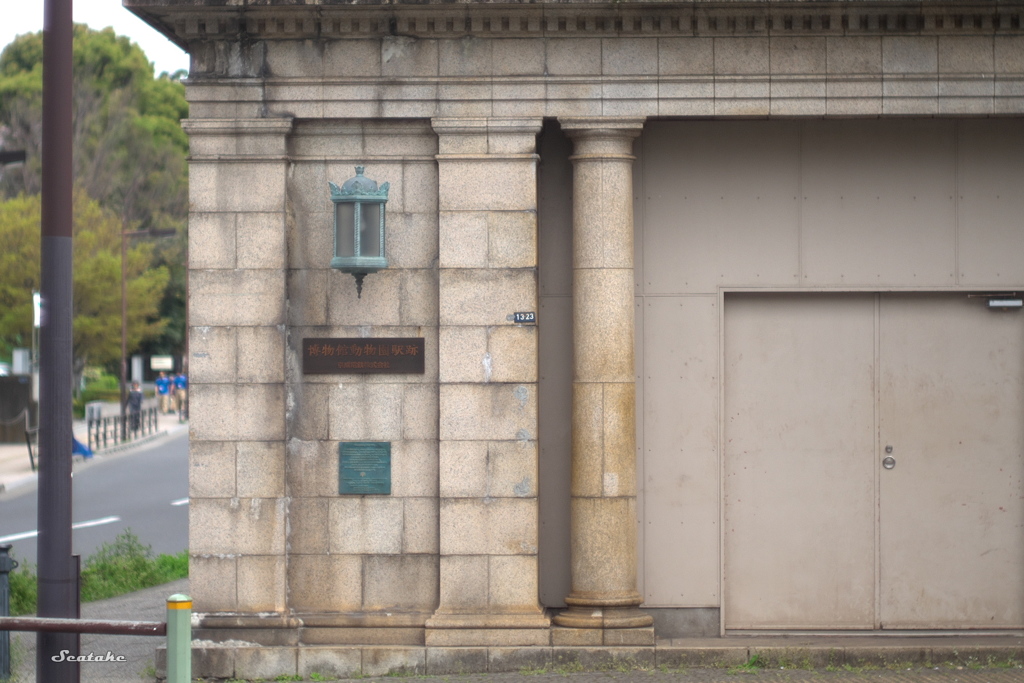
point(487, 175)
point(604, 598)
point(237, 261)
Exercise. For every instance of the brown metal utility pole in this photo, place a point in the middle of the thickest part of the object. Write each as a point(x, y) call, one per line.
point(58, 570)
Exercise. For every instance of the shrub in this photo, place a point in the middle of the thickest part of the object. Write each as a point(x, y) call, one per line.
point(124, 566)
point(23, 591)
point(127, 565)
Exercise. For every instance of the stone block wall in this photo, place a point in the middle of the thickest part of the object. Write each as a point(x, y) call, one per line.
point(362, 555)
point(270, 532)
point(238, 303)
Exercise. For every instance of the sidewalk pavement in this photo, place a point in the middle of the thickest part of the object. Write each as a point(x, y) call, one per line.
point(16, 467)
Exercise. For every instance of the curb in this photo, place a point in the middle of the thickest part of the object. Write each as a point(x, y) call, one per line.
point(19, 482)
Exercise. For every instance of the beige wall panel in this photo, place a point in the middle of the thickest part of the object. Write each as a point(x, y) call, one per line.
point(990, 169)
point(721, 205)
point(680, 458)
point(799, 486)
point(952, 509)
point(878, 205)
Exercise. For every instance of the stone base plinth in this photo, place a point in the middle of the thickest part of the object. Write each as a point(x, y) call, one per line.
point(448, 630)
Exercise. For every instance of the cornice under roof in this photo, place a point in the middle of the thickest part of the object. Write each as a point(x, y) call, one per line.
point(185, 21)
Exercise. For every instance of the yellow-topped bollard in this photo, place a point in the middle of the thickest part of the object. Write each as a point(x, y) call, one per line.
point(179, 639)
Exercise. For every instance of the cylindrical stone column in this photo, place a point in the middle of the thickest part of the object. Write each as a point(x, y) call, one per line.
point(603, 505)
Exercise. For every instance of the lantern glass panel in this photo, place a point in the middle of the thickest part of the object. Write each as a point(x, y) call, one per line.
point(369, 230)
point(345, 243)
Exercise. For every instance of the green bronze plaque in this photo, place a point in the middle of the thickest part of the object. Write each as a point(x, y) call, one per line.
point(364, 468)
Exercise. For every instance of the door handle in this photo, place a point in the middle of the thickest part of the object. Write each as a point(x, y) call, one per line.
point(888, 462)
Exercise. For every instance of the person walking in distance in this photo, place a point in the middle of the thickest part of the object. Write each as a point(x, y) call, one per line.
point(135, 407)
point(163, 390)
point(181, 394)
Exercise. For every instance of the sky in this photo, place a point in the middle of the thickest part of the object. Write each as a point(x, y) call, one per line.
point(26, 16)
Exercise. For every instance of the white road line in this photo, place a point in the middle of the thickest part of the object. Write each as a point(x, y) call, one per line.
point(96, 522)
point(79, 525)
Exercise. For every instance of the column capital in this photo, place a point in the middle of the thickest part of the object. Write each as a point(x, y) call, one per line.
point(619, 126)
point(602, 138)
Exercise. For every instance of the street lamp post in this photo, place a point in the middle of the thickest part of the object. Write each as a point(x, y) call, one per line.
point(125, 234)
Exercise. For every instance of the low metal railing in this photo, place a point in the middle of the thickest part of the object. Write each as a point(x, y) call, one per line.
point(105, 432)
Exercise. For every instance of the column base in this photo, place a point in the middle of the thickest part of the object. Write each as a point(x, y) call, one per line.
point(487, 629)
point(608, 620)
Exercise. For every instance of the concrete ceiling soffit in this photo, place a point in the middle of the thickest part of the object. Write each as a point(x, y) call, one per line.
point(185, 21)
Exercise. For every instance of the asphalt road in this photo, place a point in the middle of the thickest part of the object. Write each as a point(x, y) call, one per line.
point(144, 489)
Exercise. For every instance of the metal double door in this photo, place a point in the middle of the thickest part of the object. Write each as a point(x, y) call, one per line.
point(872, 473)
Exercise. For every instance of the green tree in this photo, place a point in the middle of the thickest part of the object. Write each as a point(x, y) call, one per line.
point(129, 156)
point(97, 281)
point(171, 254)
point(129, 148)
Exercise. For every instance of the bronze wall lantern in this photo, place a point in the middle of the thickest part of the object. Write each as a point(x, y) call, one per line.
point(359, 227)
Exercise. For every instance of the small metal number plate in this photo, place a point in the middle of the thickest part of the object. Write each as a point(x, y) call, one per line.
point(889, 462)
point(527, 318)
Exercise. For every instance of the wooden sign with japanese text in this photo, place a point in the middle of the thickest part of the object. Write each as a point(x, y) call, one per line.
point(362, 355)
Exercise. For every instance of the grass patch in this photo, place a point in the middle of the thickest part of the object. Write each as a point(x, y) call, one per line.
point(23, 591)
point(752, 665)
point(573, 666)
point(534, 671)
point(124, 566)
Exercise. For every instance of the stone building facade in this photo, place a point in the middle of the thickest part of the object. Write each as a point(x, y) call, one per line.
point(759, 239)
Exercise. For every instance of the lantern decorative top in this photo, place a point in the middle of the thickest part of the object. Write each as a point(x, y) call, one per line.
point(359, 187)
point(359, 226)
